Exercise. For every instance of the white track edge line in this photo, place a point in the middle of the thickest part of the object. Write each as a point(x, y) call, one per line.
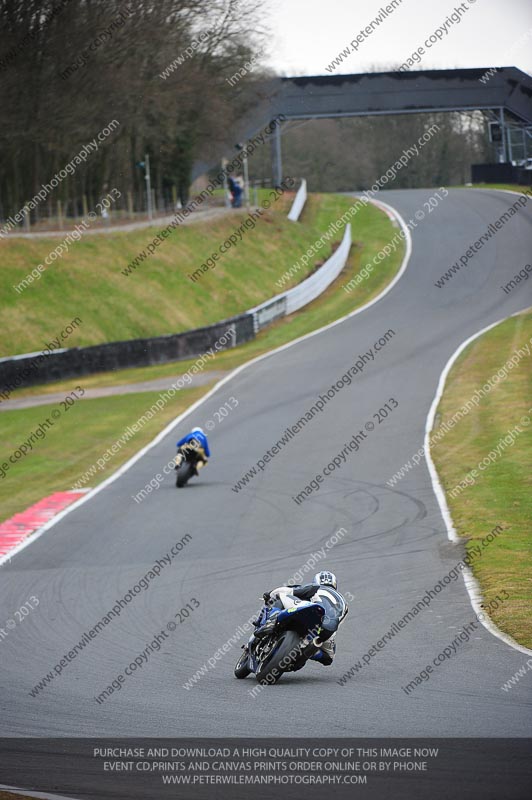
point(121, 470)
point(471, 584)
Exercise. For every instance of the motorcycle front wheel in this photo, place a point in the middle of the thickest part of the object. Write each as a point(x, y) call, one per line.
point(242, 669)
point(284, 655)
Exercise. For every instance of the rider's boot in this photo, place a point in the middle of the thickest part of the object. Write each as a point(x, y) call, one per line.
point(325, 654)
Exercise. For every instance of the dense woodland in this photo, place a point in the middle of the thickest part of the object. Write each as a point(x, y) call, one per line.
point(47, 118)
point(63, 79)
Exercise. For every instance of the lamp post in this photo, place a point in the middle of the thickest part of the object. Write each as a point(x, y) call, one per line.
point(147, 177)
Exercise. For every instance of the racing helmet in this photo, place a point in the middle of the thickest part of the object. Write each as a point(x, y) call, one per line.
point(326, 578)
point(198, 430)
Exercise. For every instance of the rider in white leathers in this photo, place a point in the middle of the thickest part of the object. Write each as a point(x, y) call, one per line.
point(323, 590)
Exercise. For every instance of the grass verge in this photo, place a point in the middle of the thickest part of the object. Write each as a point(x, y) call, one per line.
point(502, 492)
point(76, 441)
point(91, 426)
point(372, 230)
point(158, 297)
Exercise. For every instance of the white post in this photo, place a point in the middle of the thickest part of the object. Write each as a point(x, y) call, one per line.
point(246, 181)
point(225, 186)
point(148, 185)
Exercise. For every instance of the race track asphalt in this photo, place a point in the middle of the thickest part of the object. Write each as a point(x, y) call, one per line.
point(395, 546)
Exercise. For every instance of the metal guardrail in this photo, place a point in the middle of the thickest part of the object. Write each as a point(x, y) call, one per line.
point(306, 291)
point(75, 362)
point(31, 369)
point(299, 202)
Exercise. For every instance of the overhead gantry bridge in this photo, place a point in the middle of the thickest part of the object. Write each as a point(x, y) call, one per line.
point(504, 95)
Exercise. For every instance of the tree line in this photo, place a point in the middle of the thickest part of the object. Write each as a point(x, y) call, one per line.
point(70, 67)
point(177, 76)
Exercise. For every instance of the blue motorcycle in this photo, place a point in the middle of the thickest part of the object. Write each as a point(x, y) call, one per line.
point(285, 638)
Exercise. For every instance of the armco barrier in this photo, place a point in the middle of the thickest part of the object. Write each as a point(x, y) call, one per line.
point(77, 361)
point(306, 291)
point(33, 369)
point(299, 202)
point(268, 312)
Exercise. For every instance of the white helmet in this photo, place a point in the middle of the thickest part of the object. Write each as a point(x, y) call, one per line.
point(198, 430)
point(326, 578)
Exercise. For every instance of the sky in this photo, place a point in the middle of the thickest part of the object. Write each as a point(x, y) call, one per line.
point(309, 34)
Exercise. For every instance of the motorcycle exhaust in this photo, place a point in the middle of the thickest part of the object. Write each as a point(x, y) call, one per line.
point(312, 647)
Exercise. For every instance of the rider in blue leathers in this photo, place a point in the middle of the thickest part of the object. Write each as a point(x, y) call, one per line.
point(197, 442)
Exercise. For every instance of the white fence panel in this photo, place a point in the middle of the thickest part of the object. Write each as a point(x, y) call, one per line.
point(307, 290)
point(299, 202)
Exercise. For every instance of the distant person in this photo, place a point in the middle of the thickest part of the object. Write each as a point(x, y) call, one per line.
point(236, 193)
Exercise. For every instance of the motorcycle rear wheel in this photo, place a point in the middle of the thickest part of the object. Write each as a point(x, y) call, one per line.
point(285, 653)
point(184, 473)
